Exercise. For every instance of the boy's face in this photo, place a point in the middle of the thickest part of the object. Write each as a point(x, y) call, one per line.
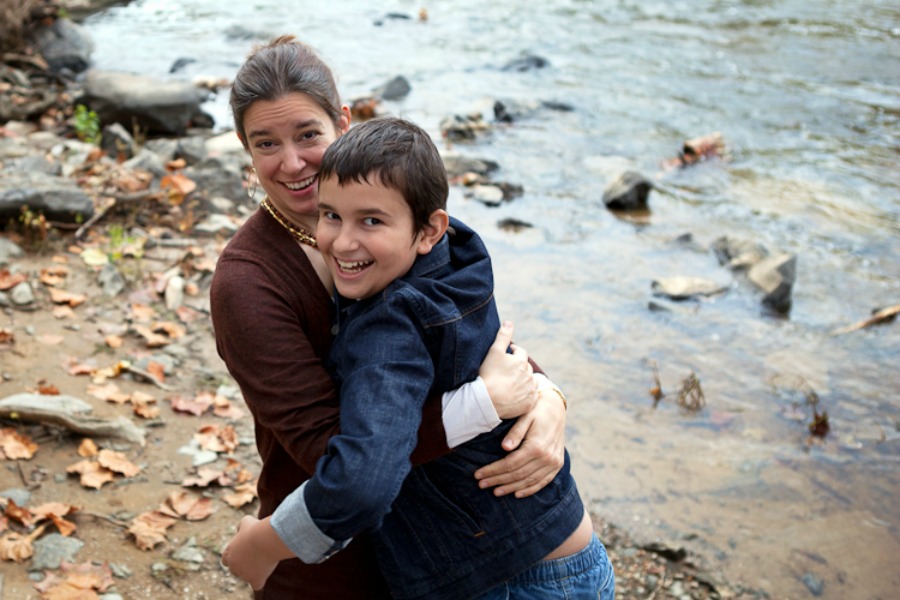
point(365, 233)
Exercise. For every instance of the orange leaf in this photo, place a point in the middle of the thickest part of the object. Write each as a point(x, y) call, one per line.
point(149, 529)
point(17, 547)
point(10, 280)
point(142, 313)
point(87, 448)
point(14, 445)
point(63, 312)
point(188, 506)
point(93, 475)
point(63, 297)
point(19, 514)
point(243, 494)
point(113, 341)
point(116, 461)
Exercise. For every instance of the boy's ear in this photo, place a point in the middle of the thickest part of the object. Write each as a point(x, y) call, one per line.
point(433, 232)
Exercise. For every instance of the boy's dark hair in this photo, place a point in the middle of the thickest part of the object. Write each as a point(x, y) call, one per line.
point(398, 154)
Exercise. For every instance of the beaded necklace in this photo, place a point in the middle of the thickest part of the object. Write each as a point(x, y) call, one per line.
point(297, 232)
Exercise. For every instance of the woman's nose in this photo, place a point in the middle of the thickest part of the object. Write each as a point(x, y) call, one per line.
point(292, 161)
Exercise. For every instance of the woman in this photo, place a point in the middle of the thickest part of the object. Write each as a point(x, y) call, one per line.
point(271, 304)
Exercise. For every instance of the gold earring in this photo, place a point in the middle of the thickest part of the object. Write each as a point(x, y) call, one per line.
point(252, 183)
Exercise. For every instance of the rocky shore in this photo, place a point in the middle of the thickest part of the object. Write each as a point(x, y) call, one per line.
point(109, 239)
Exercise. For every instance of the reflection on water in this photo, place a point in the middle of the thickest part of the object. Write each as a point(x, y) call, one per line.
point(807, 97)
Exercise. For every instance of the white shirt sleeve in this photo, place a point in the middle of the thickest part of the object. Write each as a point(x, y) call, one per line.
point(468, 412)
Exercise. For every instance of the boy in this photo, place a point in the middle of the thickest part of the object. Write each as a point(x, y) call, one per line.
point(416, 314)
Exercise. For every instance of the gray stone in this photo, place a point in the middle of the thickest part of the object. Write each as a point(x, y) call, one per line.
point(737, 253)
point(116, 141)
point(22, 294)
point(683, 288)
point(9, 249)
point(457, 164)
point(111, 280)
point(395, 89)
point(158, 107)
point(775, 276)
point(629, 191)
point(50, 550)
point(57, 198)
point(18, 495)
point(64, 45)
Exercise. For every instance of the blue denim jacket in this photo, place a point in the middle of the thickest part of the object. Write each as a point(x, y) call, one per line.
point(437, 534)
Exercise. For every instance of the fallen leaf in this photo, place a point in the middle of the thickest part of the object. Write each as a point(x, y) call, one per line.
point(19, 514)
point(196, 406)
point(117, 462)
point(142, 313)
point(223, 407)
point(94, 257)
point(87, 448)
point(58, 296)
point(17, 547)
point(50, 340)
point(76, 581)
point(10, 280)
point(93, 474)
point(243, 494)
point(113, 341)
point(149, 529)
point(14, 445)
point(47, 389)
point(187, 506)
point(7, 337)
point(205, 476)
point(158, 370)
point(63, 312)
point(104, 392)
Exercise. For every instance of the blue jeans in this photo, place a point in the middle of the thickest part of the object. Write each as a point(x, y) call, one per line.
point(583, 575)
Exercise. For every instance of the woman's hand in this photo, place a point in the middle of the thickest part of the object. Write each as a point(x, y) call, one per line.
point(508, 377)
point(254, 552)
point(538, 443)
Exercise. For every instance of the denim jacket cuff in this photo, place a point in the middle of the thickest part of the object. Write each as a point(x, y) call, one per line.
point(296, 528)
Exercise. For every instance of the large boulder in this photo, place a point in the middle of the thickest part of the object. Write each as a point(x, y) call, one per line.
point(65, 45)
point(156, 106)
point(57, 198)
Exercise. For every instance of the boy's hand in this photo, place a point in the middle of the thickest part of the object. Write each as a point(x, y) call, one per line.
point(535, 460)
point(252, 554)
point(508, 377)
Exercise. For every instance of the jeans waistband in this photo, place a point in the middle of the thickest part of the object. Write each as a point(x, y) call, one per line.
point(567, 566)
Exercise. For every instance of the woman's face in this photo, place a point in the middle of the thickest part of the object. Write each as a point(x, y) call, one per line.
point(287, 138)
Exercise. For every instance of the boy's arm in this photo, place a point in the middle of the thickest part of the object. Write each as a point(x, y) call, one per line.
point(255, 551)
point(355, 483)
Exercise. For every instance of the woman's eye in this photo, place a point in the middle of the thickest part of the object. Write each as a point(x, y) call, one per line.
point(309, 135)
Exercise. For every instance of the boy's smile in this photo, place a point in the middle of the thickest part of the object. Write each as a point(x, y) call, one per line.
point(365, 233)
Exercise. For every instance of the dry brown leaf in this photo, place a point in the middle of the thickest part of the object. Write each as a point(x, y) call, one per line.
point(14, 445)
point(73, 367)
point(195, 406)
point(142, 397)
point(243, 494)
point(50, 339)
point(187, 506)
point(10, 280)
point(204, 476)
point(7, 337)
point(151, 338)
point(103, 392)
point(178, 187)
point(93, 475)
point(142, 313)
point(113, 341)
point(58, 296)
point(116, 461)
point(76, 582)
point(145, 410)
point(87, 448)
point(224, 408)
point(217, 438)
point(63, 312)
point(47, 389)
point(158, 370)
point(17, 547)
point(19, 514)
point(149, 529)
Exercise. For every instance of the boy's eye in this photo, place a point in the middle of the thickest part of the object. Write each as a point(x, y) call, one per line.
point(372, 221)
point(329, 215)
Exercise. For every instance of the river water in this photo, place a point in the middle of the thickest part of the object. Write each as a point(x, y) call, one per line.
point(807, 98)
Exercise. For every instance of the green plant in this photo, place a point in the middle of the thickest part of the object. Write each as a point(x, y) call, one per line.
point(87, 124)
